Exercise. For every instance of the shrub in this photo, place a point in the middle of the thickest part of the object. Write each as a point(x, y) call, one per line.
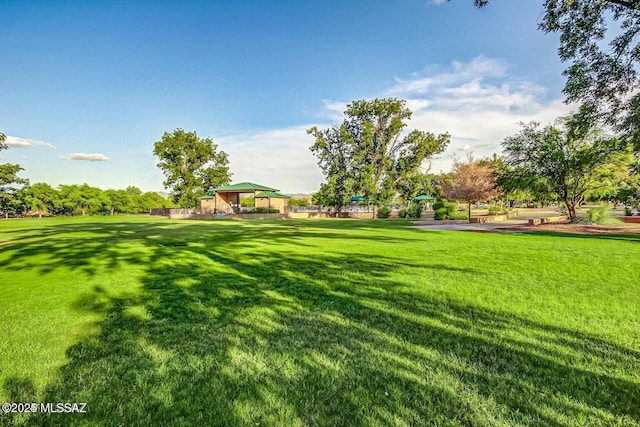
point(384, 212)
point(628, 210)
point(444, 210)
point(402, 213)
point(440, 214)
point(493, 209)
point(415, 211)
point(460, 215)
point(263, 211)
point(439, 204)
point(600, 216)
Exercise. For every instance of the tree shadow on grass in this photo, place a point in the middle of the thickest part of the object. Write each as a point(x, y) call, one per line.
point(273, 337)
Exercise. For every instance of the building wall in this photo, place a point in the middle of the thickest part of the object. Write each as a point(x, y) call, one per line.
point(207, 205)
point(281, 204)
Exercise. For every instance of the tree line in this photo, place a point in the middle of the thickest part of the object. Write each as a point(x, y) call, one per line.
point(19, 197)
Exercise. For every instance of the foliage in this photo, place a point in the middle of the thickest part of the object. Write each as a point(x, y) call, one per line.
point(415, 210)
point(600, 216)
point(412, 185)
point(191, 166)
point(10, 185)
point(248, 202)
point(460, 215)
point(471, 181)
point(599, 39)
point(571, 158)
point(298, 202)
point(262, 211)
point(402, 212)
point(444, 210)
point(40, 198)
point(384, 212)
point(368, 154)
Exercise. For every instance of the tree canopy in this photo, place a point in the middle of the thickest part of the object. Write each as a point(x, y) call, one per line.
point(369, 154)
point(600, 41)
point(10, 184)
point(471, 181)
point(571, 158)
point(191, 165)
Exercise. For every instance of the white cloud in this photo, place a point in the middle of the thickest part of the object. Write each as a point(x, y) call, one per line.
point(277, 158)
point(95, 157)
point(478, 102)
point(14, 141)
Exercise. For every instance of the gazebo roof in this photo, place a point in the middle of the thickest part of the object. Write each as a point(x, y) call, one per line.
point(242, 187)
point(428, 198)
point(272, 195)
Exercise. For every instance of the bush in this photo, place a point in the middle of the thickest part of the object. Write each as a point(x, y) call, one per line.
point(440, 214)
point(628, 210)
point(444, 210)
point(402, 213)
point(384, 212)
point(439, 204)
point(600, 216)
point(460, 215)
point(415, 211)
point(263, 211)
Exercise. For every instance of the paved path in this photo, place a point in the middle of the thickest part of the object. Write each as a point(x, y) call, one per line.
point(522, 219)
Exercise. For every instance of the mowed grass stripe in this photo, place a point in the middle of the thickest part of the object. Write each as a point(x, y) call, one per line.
point(324, 322)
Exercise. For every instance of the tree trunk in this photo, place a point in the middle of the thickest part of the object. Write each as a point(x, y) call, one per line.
point(571, 209)
point(83, 212)
point(469, 210)
point(375, 211)
point(39, 214)
point(112, 210)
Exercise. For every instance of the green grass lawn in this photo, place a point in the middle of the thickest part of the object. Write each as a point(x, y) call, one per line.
point(316, 322)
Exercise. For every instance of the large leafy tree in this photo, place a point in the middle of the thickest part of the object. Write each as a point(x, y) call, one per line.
point(119, 201)
point(10, 185)
point(41, 198)
point(334, 148)
point(571, 158)
point(191, 165)
point(369, 154)
point(600, 41)
point(82, 198)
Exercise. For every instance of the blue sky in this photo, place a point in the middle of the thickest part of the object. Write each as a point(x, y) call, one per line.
point(88, 87)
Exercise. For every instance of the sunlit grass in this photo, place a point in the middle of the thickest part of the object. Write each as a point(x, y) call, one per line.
point(327, 322)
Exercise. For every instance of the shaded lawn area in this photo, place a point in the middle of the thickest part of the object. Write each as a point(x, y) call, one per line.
point(325, 322)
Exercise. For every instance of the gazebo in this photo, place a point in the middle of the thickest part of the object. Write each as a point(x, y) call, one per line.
point(423, 198)
point(226, 199)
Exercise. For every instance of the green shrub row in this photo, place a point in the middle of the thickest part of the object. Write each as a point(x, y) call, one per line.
point(262, 211)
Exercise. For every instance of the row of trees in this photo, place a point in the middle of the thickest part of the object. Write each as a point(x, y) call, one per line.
point(42, 199)
point(18, 197)
point(567, 162)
